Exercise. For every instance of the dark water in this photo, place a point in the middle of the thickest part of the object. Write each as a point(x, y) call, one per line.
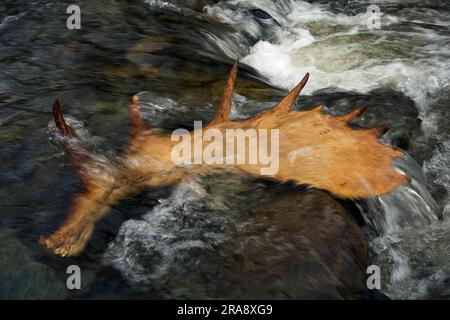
point(180, 54)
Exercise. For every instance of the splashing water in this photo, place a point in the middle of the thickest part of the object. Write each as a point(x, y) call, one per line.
point(182, 233)
point(408, 206)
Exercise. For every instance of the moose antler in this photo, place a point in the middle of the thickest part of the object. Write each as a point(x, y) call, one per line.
point(313, 149)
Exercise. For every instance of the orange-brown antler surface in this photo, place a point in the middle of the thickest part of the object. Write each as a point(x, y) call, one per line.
point(323, 151)
point(313, 148)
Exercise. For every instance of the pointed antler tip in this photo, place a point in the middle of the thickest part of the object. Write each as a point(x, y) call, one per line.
point(302, 83)
point(60, 121)
point(56, 104)
point(285, 105)
point(225, 105)
point(380, 130)
point(353, 114)
point(234, 68)
point(305, 77)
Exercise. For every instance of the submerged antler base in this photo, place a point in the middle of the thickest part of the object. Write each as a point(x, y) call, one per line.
point(314, 149)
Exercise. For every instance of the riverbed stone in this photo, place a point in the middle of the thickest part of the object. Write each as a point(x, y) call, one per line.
point(301, 246)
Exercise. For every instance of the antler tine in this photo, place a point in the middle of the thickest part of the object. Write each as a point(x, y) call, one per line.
point(285, 105)
point(62, 125)
point(137, 125)
point(378, 131)
point(79, 156)
point(352, 114)
point(227, 98)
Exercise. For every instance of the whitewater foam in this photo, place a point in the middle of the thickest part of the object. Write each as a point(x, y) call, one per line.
point(339, 51)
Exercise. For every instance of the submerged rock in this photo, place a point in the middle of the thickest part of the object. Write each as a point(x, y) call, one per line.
point(301, 246)
point(24, 278)
point(213, 240)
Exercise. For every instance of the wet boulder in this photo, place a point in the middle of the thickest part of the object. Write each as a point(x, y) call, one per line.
point(24, 278)
point(301, 246)
point(241, 240)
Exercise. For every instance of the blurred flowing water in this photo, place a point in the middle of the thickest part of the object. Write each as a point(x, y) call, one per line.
point(177, 54)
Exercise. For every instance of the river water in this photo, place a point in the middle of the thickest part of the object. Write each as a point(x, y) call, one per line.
point(177, 53)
